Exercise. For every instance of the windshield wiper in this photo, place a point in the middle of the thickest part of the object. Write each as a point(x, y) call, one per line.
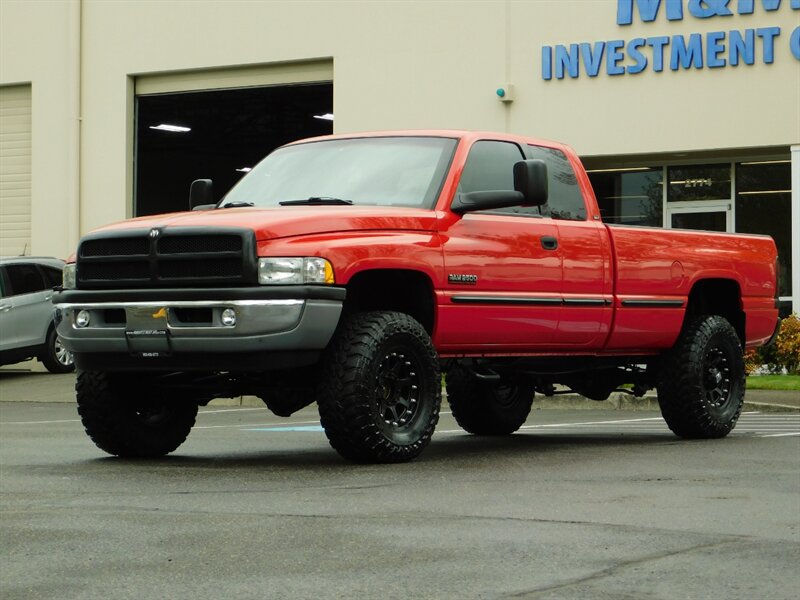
point(316, 201)
point(236, 204)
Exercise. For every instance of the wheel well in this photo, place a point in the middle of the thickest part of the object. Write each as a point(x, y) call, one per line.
point(717, 297)
point(406, 291)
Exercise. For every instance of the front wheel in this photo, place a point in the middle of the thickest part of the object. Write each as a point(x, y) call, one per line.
point(381, 388)
point(124, 420)
point(702, 381)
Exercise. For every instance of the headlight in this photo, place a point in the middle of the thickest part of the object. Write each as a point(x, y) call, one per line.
point(68, 277)
point(287, 271)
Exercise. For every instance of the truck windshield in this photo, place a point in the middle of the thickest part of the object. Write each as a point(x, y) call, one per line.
point(384, 171)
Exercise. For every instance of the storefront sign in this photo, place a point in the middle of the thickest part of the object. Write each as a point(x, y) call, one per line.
point(715, 49)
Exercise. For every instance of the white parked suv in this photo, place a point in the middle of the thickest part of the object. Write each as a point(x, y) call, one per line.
point(27, 329)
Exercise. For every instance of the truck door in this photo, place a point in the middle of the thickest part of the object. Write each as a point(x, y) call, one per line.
point(503, 267)
point(587, 289)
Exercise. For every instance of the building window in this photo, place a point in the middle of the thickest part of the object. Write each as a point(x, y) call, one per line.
point(764, 205)
point(699, 182)
point(630, 196)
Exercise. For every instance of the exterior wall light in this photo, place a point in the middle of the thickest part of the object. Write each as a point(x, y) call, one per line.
point(505, 93)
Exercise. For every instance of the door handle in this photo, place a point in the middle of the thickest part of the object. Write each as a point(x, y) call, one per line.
point(549, 242)
point(5, 307)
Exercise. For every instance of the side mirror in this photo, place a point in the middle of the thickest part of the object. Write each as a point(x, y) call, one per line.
point(201, 194)
point(530, 189)
point(530, 179)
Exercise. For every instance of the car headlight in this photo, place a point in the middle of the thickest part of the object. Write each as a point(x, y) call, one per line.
point(287, 271)
point(68, 277)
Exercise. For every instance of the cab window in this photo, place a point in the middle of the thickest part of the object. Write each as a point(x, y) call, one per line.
point(564, 198)
point(490, 167)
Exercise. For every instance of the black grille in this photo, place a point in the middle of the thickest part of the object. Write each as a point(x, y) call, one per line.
point(194, 244)
point(126, 246)
point(214, 268)
point(174, 257)
point(109, 271)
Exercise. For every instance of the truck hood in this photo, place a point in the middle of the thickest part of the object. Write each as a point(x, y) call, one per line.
point(271, 223)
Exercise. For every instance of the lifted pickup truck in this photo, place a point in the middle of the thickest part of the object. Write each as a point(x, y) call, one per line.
point(354, 270)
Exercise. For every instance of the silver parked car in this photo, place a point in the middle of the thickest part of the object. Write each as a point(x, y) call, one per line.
point(26, 313)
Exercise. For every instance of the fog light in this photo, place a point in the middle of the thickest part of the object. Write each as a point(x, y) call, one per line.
point(228, 317)
point(82, 319)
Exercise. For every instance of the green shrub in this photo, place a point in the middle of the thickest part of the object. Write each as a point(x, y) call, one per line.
point(783, 354)
point(787, 346)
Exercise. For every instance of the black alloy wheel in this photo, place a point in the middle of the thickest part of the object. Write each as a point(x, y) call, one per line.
point(702, 381)
point(381, 390)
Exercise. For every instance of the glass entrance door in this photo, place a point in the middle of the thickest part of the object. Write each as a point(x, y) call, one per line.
point(711, 216)
point(700, 197)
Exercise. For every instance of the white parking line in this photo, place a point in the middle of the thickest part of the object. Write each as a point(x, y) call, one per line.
point(226, 410)
point(38, 422)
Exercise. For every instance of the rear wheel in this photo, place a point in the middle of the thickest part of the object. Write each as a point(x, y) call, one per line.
point(55, 357)
point(381, 389)
point(124, 422)
point(702, 382)
point(486, 407)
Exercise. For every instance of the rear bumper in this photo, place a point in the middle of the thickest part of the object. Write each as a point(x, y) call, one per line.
point(160, 326)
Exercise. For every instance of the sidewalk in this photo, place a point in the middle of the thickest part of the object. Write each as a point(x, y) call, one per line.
point(760, 400)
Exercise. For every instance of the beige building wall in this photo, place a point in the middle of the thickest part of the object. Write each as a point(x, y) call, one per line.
point(39, 46)
point(396, 65)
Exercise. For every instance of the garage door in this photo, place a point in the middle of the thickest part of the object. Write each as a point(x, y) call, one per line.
point(217, 124)
point(15, 170)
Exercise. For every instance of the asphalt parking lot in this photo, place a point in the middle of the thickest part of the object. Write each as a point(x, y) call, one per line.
point(578, 504)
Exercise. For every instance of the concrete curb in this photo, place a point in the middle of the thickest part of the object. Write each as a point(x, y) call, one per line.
point(567, 402)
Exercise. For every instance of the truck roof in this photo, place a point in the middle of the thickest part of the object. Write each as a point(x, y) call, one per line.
point(464, 134)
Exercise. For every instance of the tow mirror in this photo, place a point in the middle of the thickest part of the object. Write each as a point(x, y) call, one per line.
point(530, 179)
point(530, 189)
point(201, 195)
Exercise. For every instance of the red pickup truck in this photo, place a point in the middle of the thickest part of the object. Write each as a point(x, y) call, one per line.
point(354, 270)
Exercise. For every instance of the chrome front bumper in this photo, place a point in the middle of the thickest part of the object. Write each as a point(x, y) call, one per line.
point(158, 328)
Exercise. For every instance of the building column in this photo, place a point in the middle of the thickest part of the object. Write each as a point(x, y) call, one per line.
point(796, 229)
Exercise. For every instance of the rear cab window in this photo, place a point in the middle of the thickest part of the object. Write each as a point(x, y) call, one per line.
point(565, 200)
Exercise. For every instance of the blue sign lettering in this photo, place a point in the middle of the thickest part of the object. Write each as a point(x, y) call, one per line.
point(768, 34)
point(592, 59)
point(648, 9)
point(704, 9)
point(614, 57)
point(547, 63)
point(658, 44)
point(640, 60)
point(701, 9)
point(794, 43)
point(686, 55)
point(742, 46)
point(567, 59)
point(713, 50)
